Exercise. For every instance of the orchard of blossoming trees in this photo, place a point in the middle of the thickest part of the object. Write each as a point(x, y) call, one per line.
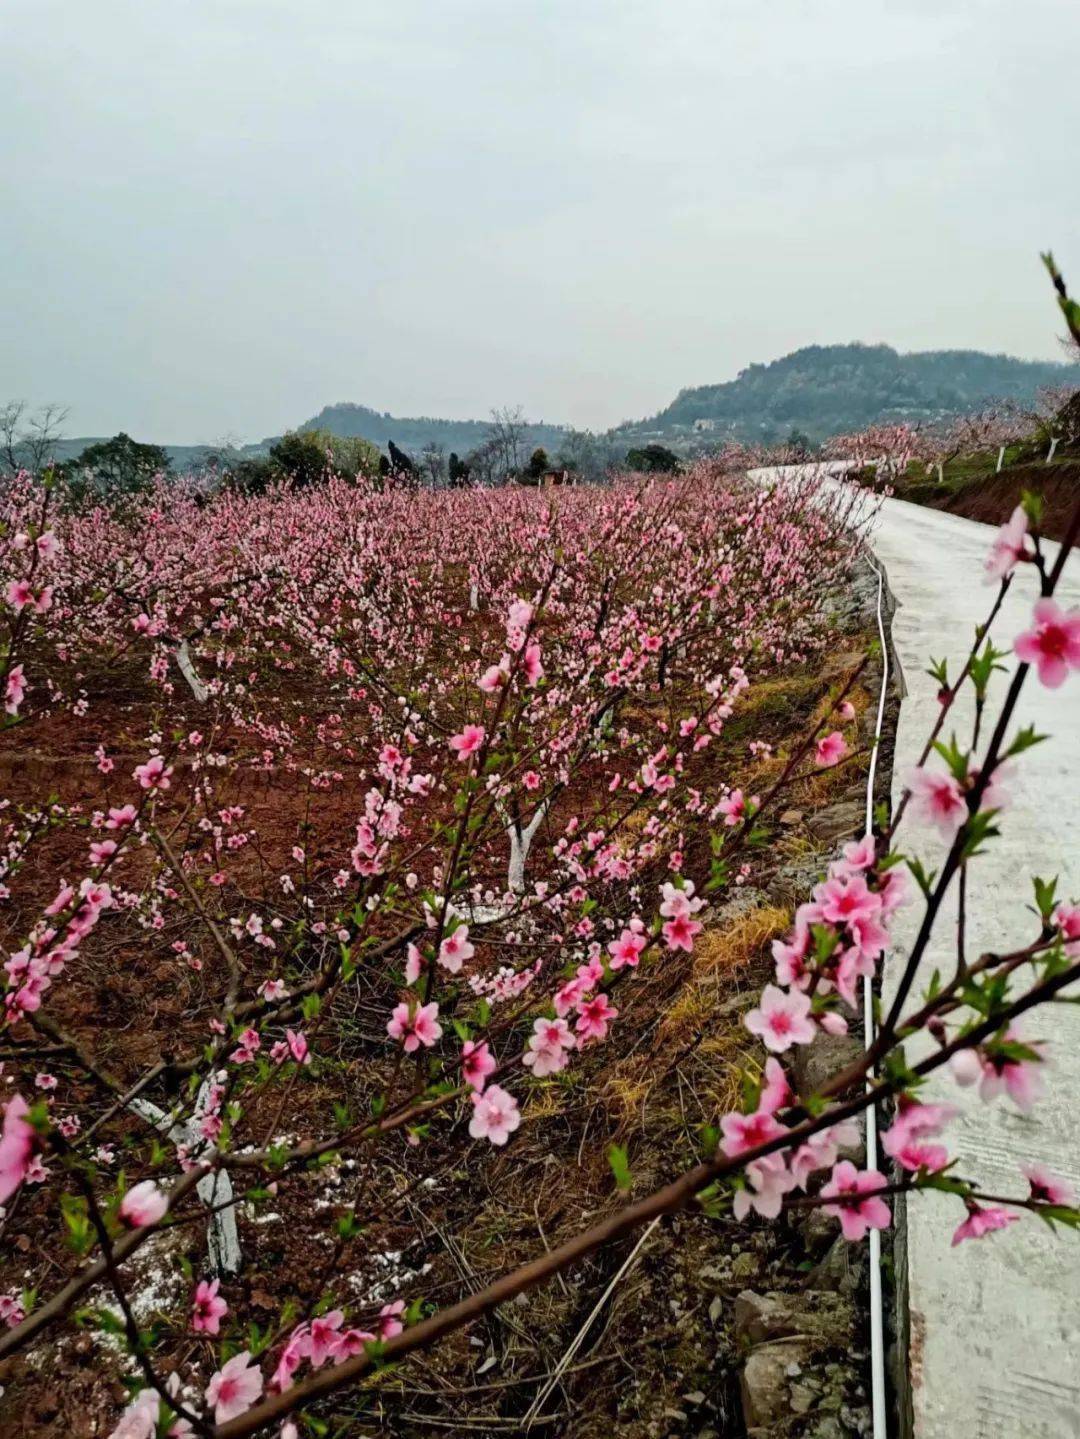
point(373, 809)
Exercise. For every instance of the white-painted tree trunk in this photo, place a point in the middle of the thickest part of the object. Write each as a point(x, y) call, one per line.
point(187, 669)
point(940, 473)
point(1001, 460)
point(223, 1239)
point(1053, 447)
point(474, 597)
point(520, 844)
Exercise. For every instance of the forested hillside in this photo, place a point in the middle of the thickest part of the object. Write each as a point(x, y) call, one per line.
point(827, 389)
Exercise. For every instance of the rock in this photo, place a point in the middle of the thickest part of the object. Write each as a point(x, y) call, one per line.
point(743, 1267)
point(742, 900)
point(794, 880)
point(842, 820)
point(824, 1317)
point(815, 1064)
point(819, 1231)
point(791, 816)
point(839, 1271)
point(840, 662)
point(828, 1427)
point(765, 1386)
point(802, 1398)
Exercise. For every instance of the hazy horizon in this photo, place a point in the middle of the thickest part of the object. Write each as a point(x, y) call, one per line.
point(221, 218)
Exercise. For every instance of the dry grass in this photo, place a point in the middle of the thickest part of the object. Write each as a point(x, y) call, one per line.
point(699, 1025)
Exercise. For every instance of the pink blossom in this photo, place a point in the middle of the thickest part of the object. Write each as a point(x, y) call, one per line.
point(350, 1342)
point(1047, 1187)
point(548, 1045)
point(495, 676)
point(593, 1018)
point(531, 780)
point(906, 1139)
point(16, 1146)
point(857, 1215)
point(982, 1221)
point(466, 744)
point(102, 850)
point(531, 667)
point(207, 1307)
point(234, 1388)
point(389, 1321)
point(791, 954)
point(520, 615)
point(743, 1132)
point(937, 799)
point(821, 1149)
point(289, 1359)
point(143, 1205)
point(860, 854)
point(11, 1310)
point(894, 889)
point(1021, 1079)
point(776, 1091)
point(153, 774)
point(14, 690)
point(456, 949)
point(415, 1026)
point(477, 1062)
point(830, 750)
point(782, 1019)
point(570, 996)
point(414, 964)
point(495, 1115)
point(966, 1067)
point(843, 901)
point(767, 1181)
point(322, 1338)
point(19, 594)
point(680, 932)
point(1010, 546)
point(140, 1419)
point(122, 817)
point(846, 710)
point(733, 807)
point(626, 950)
point(1052, 644)
point(298, 1046)
point(1067, 918)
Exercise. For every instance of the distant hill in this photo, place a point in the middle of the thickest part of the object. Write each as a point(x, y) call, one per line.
point(183, 457)
point(413, 433)
point(828, 389)
point(820, 390)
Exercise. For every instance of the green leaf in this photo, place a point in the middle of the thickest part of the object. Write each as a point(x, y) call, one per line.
point(1025, 740)
point(620, 1168)
point(1045, 891)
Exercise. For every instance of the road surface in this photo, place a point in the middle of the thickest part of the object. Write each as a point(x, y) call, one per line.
point(994, 1323)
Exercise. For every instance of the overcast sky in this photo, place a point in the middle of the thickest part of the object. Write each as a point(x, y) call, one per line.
point(219, 215)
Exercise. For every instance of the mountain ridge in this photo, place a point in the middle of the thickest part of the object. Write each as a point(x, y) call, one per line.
point(826, 389)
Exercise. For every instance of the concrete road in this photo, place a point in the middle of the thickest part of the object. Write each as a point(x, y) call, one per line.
point(994, 1323)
